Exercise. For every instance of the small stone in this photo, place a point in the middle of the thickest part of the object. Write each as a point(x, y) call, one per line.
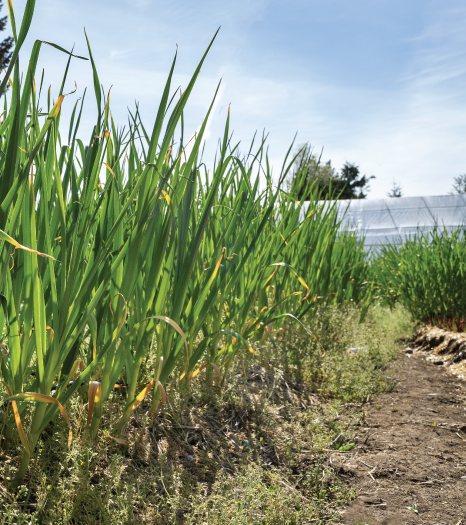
point(408, 350)
point(372, 501)
point(190, 458)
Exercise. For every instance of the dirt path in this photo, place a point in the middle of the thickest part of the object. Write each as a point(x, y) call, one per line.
point(411, 451)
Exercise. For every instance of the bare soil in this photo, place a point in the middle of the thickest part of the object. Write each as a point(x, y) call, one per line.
point(411, 450)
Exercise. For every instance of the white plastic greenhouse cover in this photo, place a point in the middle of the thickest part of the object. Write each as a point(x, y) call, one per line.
point(390, 220)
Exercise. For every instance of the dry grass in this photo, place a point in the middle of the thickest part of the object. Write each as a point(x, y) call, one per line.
point(253, 452)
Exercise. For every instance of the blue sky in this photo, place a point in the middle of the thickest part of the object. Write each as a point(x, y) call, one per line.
point(379, 83)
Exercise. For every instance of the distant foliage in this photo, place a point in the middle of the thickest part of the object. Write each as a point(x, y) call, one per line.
point(396, 191)
point(309, 174)
point(6, 45)
point(425, 273)
point(459, 186)
point(351, 184)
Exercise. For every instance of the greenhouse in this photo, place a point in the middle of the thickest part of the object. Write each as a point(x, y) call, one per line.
point(390, 220)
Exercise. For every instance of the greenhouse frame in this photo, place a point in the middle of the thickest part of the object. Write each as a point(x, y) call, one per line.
point(391, 220)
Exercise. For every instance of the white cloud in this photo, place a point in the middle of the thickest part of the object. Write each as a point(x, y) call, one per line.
point(412, 129)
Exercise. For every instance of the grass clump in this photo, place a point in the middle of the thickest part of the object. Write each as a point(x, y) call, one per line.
point(247, 498)
point(348, 362)
point(425, 273)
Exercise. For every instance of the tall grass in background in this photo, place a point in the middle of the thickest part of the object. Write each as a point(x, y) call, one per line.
point(128, 247)
point(426, 273)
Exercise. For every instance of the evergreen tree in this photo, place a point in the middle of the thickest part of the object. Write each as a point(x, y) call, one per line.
point(5, 45)
point(351, 184)
point(396, 191)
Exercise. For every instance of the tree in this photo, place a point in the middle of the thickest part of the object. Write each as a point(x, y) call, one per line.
point(309, 172)
point(396, 191)
point(351, 185)
point(5, 45)
point(459, 186)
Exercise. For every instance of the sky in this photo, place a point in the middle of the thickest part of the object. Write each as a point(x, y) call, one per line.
point(378, 83)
